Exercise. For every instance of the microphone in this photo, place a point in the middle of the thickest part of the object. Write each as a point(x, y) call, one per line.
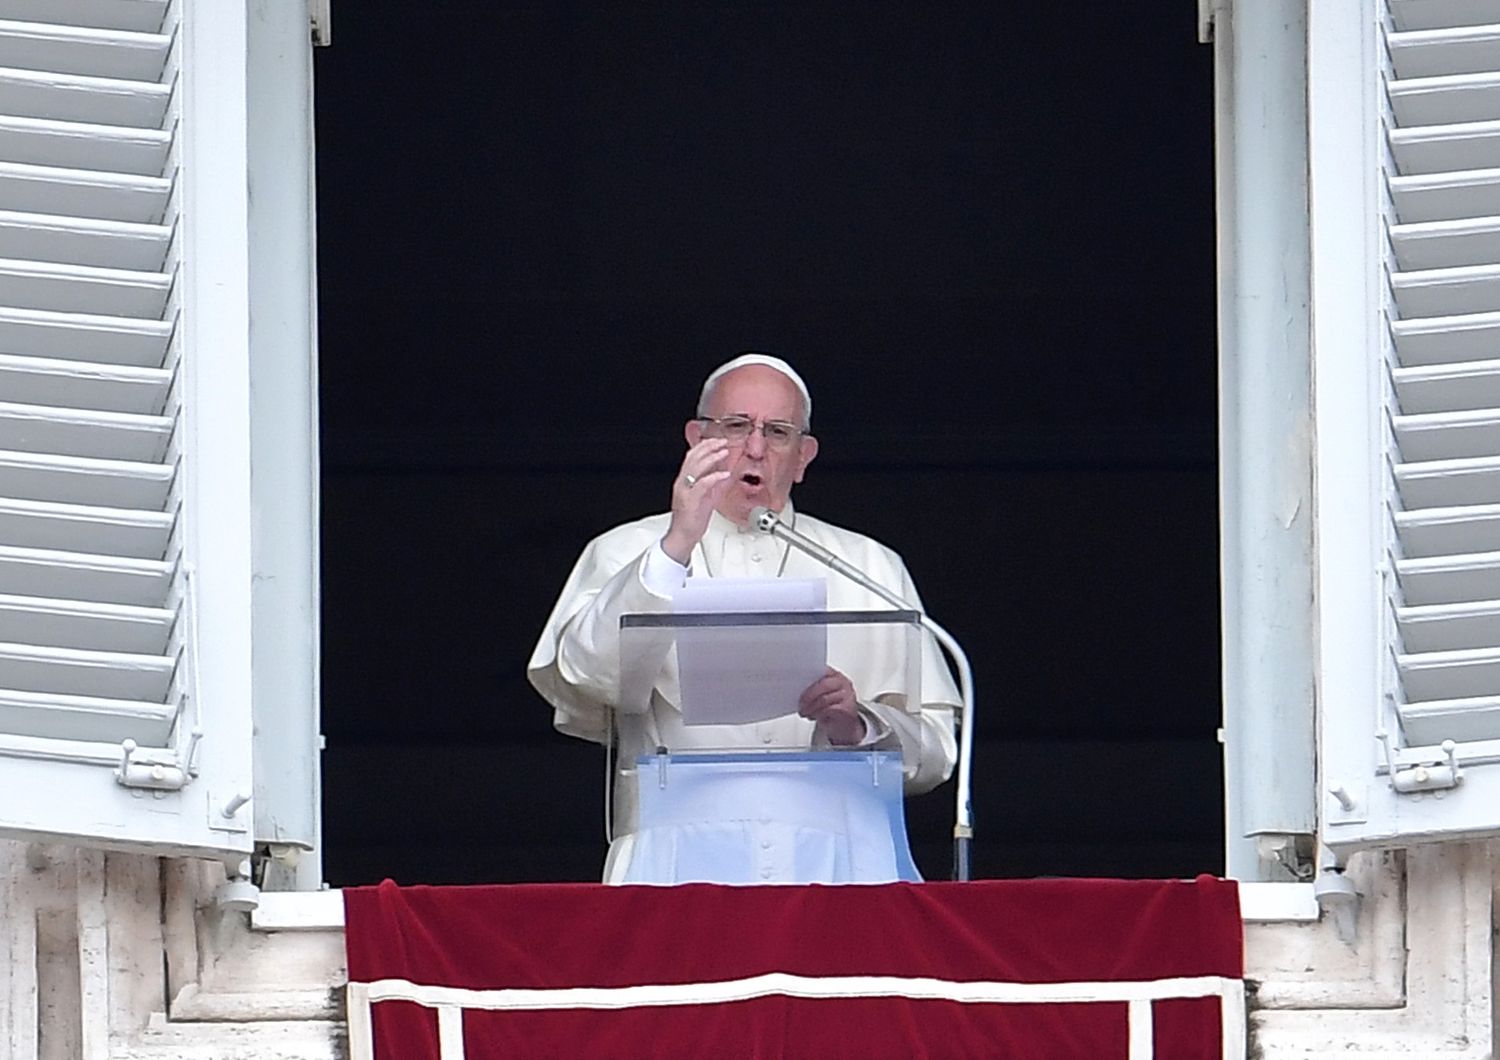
point(767, 521)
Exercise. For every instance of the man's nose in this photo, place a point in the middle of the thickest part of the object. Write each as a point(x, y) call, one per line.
point(755, 444)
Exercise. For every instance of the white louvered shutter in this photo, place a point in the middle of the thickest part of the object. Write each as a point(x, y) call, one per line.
point(1410, 525)
point(119, 502)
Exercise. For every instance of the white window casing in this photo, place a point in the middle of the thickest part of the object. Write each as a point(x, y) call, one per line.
point(284, 443)
point(127, 551)
point(1404, 101)
point(1265, 391)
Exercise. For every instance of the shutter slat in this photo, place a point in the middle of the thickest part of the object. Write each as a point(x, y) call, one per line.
point(80, 624)
point(125, 532)
point(84, 241)
point(1467, 578)
point(1446, 196)
point(91, 337)
point(1448, 435)
point(82, 193)
point(84, 384)
point(1446, 340)
point(139, 16)
point(84, 145)
point(1446, 100)
point(1447, 627)
point(79, 672)
point(1442, 148)
point(1447, 292)
point(60, 288)
point(1467, 385)
point(84, 480)
point(1464, 674)
point(1437, 14)
point(28, 717)
point(1473, 719)
point(83, 576)
point(1447, 244)
point(1443, 483)
point(1444, 51)
point(71, 97)
point(83, 432)
point(1450, 530)
point(83, 50)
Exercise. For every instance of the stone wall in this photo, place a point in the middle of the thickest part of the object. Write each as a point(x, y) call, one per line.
point(127, 957)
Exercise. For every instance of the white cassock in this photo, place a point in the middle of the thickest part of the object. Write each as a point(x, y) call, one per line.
point(576, 664)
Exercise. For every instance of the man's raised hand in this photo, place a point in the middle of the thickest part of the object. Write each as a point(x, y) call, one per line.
point(697, 490)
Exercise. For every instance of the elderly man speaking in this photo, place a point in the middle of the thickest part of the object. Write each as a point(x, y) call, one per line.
point(748, 445)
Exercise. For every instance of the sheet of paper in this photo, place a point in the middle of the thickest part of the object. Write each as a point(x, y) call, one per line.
point(733, 675)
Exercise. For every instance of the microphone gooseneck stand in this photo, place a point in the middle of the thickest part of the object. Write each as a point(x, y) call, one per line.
point(963, 818)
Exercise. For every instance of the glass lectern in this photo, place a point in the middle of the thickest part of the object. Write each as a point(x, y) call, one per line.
point(725, 783)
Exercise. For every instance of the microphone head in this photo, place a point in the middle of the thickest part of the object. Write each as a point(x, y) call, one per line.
point(762, 518)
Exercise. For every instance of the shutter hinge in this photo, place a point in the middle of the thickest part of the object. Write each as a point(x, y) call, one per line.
point(157, 769)
point(1413, 780)
point(1337, 896)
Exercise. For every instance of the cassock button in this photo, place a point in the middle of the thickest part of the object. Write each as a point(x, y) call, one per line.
point(765, 874)
point(755, 557)
point(765, 738)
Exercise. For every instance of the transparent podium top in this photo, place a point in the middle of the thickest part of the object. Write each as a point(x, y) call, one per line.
point(743, 667)
point(813, 817)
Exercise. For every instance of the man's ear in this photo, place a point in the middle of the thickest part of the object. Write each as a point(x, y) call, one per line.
point(808, 450)
point(693, 432)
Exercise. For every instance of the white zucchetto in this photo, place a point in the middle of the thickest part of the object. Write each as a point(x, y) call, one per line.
point(763, 359)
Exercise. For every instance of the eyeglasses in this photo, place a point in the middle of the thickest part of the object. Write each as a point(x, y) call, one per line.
point(737, 429)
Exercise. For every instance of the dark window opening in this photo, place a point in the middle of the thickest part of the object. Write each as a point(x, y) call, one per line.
point(984, 237)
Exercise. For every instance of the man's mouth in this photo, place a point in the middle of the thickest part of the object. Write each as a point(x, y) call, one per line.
point(750, 478)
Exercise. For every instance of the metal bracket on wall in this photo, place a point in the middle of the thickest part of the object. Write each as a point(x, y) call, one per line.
point(1438, 776)
point(156, 768)
point(151, 769)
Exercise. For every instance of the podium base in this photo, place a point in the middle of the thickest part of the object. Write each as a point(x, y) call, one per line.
point(770, 818)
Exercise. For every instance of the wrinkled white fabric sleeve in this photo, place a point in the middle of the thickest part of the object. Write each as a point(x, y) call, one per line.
point(588, 645)
point(876, 730)
point(926, 741)
point(660, 573)
point(878, 735)
point(926, 737)
point(576, 664)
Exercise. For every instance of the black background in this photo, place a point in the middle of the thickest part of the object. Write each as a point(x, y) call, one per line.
point(984, 235)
